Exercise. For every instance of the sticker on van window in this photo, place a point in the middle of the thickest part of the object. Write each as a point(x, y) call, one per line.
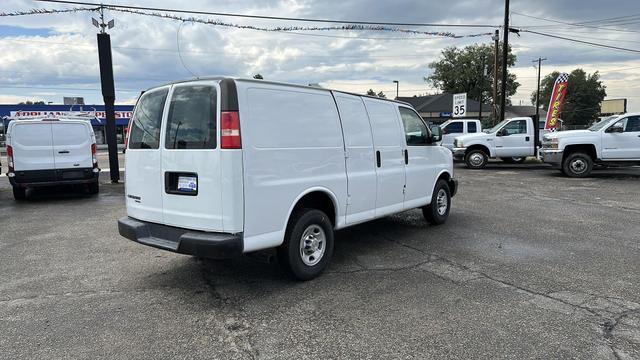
point(187, 183)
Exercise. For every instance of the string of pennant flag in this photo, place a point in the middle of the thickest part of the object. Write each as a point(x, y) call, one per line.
point(214, 22)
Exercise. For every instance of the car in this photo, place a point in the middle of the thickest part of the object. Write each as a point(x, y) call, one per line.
point(614, 141)
point(220, 167)
point(49, 151)
point(453, 128)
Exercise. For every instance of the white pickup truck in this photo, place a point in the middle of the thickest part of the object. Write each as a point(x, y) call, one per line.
point(614, 141)
point(453, 128)
point(511, 140)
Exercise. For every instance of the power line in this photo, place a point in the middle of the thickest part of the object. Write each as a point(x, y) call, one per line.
point(583, 42)
point(267, 17)
point(562, 22)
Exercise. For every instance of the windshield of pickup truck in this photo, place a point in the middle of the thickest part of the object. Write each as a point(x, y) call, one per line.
point(601, 124)
point(497, 127)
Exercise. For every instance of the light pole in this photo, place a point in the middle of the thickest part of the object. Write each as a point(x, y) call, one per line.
point(539, 61)
point(108, 92)
point(397, 88)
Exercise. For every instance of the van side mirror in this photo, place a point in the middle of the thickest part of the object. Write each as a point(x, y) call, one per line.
point(436, 134)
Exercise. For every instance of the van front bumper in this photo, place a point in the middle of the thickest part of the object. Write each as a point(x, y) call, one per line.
point(551, 156)
point(191, 242)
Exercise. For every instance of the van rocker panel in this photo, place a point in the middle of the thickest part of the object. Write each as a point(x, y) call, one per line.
point(198, 243)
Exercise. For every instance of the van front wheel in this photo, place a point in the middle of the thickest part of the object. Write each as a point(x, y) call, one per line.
point(308, 244)
point(437, 212)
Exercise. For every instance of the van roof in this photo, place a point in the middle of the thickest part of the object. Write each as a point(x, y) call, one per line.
point(259, 81)
point(56, 120)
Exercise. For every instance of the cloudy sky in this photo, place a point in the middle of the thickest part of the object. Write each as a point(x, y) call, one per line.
point(46, 57)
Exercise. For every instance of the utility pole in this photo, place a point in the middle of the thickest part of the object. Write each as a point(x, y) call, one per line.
point(539, 60)
point(482, 74)
point(536, 122)
point(496, 44)
point(505, 53)
point(397, 88)
point(108, 92)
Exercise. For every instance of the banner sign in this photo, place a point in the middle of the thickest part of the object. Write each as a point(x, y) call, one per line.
point(556, 102)
point(459, 105)
point(100, 115)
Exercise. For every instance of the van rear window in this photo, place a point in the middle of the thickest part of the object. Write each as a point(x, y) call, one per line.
point(147, 120)
point(192, 118)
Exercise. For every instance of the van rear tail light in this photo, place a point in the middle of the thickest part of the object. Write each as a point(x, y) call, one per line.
point(230, 130)
point(10, 158)
point(94, 155)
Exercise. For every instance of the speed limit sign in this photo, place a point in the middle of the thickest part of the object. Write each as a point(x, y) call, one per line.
point(459, 105)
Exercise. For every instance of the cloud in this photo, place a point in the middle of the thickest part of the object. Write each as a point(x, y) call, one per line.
point(55, 55)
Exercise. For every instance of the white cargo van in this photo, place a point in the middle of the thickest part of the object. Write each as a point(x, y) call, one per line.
point(51, 151)
point(218, 167)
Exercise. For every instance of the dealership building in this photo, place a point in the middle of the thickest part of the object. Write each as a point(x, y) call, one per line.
point(95, 113)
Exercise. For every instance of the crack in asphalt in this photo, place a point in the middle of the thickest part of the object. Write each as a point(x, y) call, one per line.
point(608, 320)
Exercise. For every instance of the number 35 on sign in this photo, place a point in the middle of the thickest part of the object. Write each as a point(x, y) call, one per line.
point(459, 105)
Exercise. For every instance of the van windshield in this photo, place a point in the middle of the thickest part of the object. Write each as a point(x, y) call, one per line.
point(147, 120)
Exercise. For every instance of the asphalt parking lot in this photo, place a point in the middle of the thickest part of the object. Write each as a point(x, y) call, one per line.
point(529, 265)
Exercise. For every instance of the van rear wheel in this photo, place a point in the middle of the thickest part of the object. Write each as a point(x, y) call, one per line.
point(19, 193)
point(437, 212)
point(308, 244)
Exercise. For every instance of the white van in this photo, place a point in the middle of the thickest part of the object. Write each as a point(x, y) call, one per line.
point(51, 151)
point(218, 167)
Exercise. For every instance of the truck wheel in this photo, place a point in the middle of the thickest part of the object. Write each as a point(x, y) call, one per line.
point(19, 193)
point(308, 244)
point(94, 188)
point(577, 165)
point(437, 212)
point(476, 159)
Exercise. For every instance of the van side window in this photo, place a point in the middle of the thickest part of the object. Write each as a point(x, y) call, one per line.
point(471, 127)
point(414, 128)
point(455, 127)
point(191, 123)
point(147, 119)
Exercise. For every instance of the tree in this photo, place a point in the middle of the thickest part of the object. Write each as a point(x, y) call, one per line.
point(29, 102)
point(460, 70)
point(258, 76)
point(585, 92)
point(380, 94)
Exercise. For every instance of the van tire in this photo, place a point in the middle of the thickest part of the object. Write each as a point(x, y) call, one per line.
point(577, 165)
point(290, 255)
point(476, 159)
point(19, 193)
point(435, 213)
point(94, 188)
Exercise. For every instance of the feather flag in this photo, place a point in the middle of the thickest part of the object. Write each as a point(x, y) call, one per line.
point(556, 102)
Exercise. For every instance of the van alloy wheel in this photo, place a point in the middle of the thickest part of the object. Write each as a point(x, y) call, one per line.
point(442, 202)
point(312, 245)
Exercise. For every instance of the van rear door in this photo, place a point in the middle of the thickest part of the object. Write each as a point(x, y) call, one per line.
point(72, 144)
point(191, 159)
point(143, 172)
point(32, 146)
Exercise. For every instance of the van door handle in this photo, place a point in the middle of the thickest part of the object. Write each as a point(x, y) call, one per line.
point(63, 152)
point(406, 156)
point(378, 160)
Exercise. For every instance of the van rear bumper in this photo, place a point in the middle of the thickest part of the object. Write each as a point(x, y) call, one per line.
point(198, 243)
point(42, 178)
